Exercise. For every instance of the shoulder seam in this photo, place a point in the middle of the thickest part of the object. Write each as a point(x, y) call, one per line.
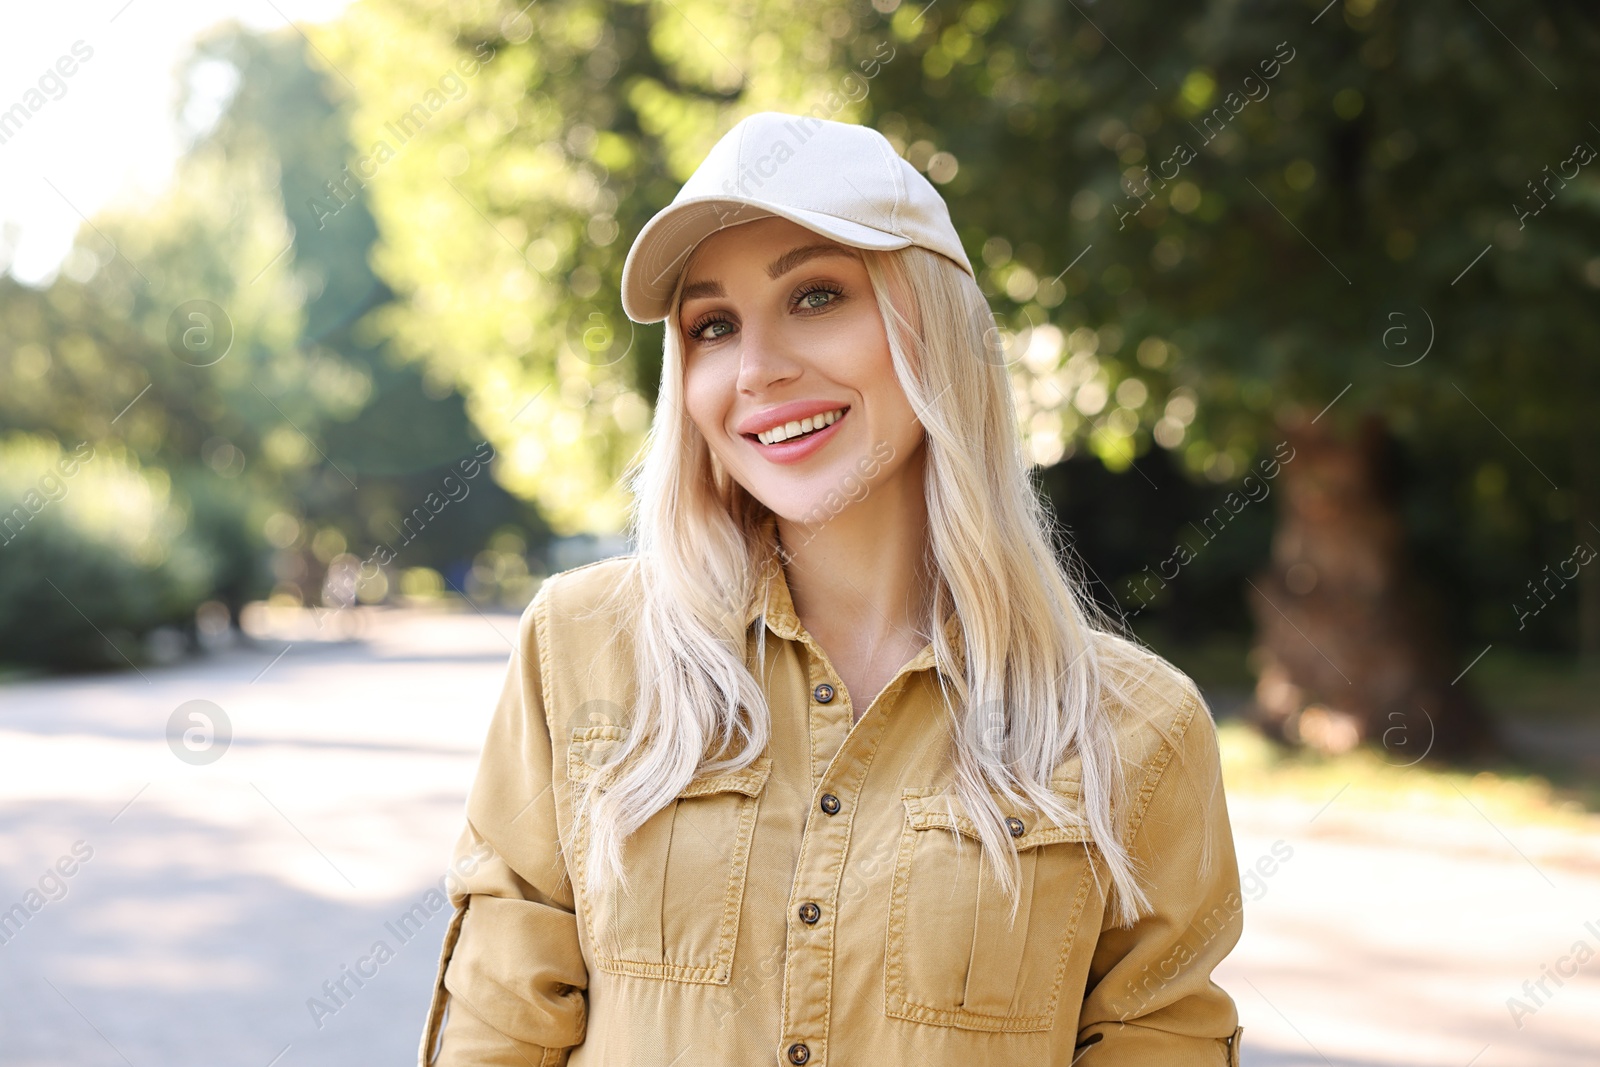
point(548, 586)
point(1156, 769)
point(541, 630)
point(595, 563)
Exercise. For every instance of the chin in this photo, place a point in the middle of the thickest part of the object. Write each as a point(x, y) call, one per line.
point(807, 507)
point(818, 513)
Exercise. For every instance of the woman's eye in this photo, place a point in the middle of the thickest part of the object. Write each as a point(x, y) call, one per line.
point(816, 298)
point(811, 300)
point(703, 331)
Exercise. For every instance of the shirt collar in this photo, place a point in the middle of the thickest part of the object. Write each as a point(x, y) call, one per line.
point(773, 601)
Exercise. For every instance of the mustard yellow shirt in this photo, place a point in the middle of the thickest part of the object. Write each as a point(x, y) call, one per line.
point(823, 906)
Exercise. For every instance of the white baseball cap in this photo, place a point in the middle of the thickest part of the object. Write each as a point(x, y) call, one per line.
point(839, 179)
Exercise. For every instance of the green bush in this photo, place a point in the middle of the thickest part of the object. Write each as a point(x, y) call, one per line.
point(95, 552)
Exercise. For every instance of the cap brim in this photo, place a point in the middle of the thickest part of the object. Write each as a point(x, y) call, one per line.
point(662, 249)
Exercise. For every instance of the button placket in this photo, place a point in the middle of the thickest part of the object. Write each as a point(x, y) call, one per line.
point(819, 873)
point(828, 717)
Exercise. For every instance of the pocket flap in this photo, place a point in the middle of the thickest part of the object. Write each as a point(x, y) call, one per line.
point(930, 809)
point(749, 781)
point(592, 747)
point(590, 751)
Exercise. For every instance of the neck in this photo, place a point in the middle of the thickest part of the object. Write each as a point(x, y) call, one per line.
point(860, 577)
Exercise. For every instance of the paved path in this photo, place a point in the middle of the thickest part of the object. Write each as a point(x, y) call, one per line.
point(217, 899)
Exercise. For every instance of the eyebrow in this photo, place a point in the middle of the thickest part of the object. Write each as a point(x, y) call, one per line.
point(775, 270)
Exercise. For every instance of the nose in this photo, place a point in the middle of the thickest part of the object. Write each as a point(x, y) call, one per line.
point(765, 356)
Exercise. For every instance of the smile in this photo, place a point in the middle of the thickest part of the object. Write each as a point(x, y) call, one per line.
point(794, 442)
point(801, 427)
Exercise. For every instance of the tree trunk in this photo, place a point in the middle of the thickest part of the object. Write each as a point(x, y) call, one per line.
point(1345, 651)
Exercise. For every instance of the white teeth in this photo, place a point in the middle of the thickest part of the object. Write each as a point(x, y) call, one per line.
point(798, 427)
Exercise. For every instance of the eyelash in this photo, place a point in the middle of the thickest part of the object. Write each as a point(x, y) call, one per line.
point(711, 319)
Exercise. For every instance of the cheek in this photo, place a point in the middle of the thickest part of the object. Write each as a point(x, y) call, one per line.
point(896, 420)
point(903, 436)
point(706, 397)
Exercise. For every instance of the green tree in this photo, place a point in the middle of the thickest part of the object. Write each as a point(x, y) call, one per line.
point(212, 343)
point(1227, 233)
point(508, 152)
point(1250, 221)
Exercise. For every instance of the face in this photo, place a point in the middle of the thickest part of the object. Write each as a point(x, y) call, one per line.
point(779, 325)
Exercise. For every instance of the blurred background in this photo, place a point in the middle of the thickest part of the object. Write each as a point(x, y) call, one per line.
point(312, 367)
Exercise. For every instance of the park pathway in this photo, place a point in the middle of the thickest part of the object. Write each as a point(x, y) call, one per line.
point(209, 903)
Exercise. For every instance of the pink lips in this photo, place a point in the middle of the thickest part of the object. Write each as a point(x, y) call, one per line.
point(798, 448)
point(793, 411)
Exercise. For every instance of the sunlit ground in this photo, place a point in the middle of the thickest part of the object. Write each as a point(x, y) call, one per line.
point(1415, 906)
point(218, 899)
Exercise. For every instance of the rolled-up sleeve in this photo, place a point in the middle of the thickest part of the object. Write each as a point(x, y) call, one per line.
point(1150, 1000)
point(511, 981)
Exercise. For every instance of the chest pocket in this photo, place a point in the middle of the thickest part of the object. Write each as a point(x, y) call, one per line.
point(679, 918)
point(952, 957)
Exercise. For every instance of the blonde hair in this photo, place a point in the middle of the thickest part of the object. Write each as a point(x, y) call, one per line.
point(1039, 652)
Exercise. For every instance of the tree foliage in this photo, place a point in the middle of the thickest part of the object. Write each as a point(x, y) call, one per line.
point(507, 210)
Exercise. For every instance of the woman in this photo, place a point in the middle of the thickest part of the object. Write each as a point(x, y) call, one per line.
point(840, 767)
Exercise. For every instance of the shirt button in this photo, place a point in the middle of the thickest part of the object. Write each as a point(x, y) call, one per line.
point(830, 804)
point(798, 1053)
point(809, 913)
point(1014, 824)
point(823, 694)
